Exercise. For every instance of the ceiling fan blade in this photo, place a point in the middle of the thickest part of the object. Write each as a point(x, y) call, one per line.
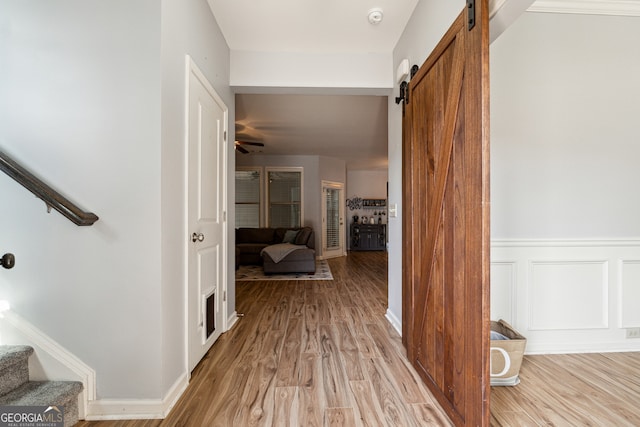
point(242, 149)
point(257, 144)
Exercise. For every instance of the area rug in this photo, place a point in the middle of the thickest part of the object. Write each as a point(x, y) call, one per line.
point(255, 272)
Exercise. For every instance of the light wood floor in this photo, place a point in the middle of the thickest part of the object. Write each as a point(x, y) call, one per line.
point(307, 353)
point(571, 390)
point(321, 353)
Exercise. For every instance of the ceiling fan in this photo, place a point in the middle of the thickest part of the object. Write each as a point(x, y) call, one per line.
point(239, 145)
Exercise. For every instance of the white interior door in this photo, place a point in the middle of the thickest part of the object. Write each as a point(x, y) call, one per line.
point(333, 232)
point(207, 125)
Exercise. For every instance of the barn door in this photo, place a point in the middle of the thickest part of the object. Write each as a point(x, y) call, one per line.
point(446, 221)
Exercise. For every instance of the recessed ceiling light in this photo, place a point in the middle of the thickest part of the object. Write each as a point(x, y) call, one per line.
point(375, 16)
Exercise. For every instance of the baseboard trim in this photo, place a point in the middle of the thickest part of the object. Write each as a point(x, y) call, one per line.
point(543, 348)
point(564, 243)
point(232, 320)
point(124, 409)
point(395, 322)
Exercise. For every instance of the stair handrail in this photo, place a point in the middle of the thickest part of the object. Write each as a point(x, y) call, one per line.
point(46, 193)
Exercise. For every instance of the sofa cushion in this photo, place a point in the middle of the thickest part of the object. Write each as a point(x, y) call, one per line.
point(303, 236)
point(279, 234)
point(301, 254)
point(254, 235)
point(251, 248)
point(290, 236)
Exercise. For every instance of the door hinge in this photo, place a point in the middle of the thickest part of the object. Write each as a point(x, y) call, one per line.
point(471, 14)
point(224, 216)
point(224, 296)
point(225, 135)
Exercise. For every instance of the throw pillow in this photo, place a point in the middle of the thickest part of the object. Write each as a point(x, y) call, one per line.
point(290, 236)
point(303, 236)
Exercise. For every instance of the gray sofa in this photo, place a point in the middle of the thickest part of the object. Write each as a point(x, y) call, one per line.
point(251, 241)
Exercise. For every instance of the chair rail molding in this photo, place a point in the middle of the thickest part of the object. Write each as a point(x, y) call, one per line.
point(588, 7)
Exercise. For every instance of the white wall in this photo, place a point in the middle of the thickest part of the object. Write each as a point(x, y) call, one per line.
point(310, 70)
point(187, 28)
point(93, 102)
point(332, 169)
point(366, 184)
point(80, 106)
point(564, 134)
point(565, 230)
point(426, 27)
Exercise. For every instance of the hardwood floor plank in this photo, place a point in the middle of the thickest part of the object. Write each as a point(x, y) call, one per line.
point(411, 387)
point(223, 411)
point(511, 418)
point(429, 415)
point(339, 417)
point(324, 313)
point(334, 381)
point(286, 407)
point(368, 408)
point(312, 401)
point(366, 346)
point(351, 357)
point(310, 335)
point(281, 315)
point(389, 398)
point(288, 365)
point(258, 398)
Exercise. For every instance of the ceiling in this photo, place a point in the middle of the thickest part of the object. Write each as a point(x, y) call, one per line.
point(311, 25)
point(349, 127)
point(352, 127)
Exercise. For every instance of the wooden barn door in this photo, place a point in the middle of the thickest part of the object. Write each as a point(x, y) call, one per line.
point(446, 221)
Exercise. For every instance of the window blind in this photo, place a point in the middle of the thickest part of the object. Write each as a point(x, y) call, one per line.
point(285, 195)
point(333, 218)
point(248, 198)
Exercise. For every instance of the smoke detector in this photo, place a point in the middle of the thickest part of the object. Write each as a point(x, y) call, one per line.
point(375, 16)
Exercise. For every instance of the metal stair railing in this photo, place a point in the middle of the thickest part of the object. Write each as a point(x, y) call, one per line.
point(46, 193)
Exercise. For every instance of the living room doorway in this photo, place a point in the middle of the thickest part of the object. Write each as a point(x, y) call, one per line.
point(333, 230)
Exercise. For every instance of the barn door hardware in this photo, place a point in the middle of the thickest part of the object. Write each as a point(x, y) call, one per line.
point(414, 70)
point(471, 14)
point(403, 93)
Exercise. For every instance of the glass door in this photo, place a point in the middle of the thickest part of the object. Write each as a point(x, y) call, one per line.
point(333, 232)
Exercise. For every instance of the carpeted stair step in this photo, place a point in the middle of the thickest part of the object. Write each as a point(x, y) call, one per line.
point(47, 393)
point(14, 366)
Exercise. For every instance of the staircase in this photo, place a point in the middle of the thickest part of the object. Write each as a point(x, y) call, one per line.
point(17, 390)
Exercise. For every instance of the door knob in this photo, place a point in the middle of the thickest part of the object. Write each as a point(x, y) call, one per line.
point(197, 237)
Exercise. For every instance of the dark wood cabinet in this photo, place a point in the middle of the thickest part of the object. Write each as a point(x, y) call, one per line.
point(368, 237)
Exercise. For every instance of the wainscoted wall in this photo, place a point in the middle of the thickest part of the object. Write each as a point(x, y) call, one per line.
point(568, 295)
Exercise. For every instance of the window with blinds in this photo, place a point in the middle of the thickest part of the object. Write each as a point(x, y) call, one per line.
point(284, 188)
point(248, 198)
point(332, 206)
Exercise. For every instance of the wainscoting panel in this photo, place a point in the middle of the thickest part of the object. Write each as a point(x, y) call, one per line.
point(629, 293)
point(568, 296)
point(503, 298)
